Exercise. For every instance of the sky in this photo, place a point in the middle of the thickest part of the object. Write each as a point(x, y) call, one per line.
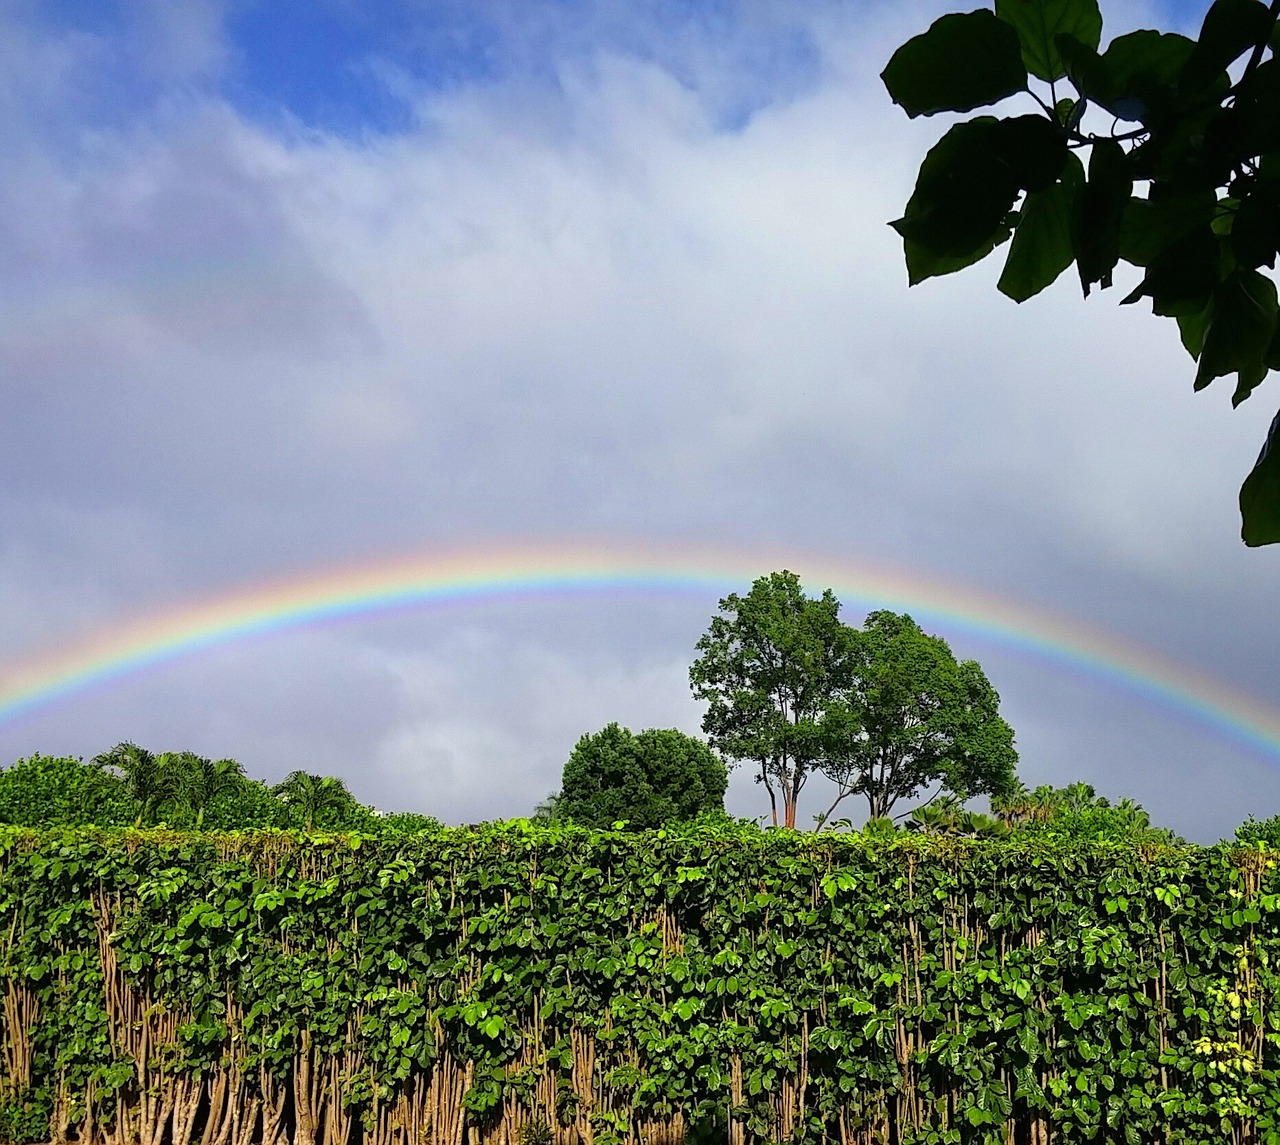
point(288, 289)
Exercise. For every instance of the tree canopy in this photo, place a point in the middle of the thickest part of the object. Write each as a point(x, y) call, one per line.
point(770, 668)
point(915, 717)
point(1183, 177)
point(650, 779)
point(882, 711)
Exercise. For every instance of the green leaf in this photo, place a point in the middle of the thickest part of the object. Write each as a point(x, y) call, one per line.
point(968, 182)
point(1255, 230)
point(1183, 277)
point(1143, 69)
point(965, 60)
point(1135, 78)
point(1084, 67)
point(1096, 235)
point(1041, 248)
point(1230, 28)
point(1150, 226)
point(1192, 328)
point(1039, 22)
point(1260, 495)
point(1240, 331)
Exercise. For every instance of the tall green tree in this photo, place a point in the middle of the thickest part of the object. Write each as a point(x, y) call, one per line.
point(650, 779)
point(915, 717)
point(770, 666)
point(1183, 177)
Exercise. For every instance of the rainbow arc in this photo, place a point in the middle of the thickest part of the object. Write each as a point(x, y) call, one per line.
point(540, 571)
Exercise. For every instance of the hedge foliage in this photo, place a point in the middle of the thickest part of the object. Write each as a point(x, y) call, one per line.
point(527, 983)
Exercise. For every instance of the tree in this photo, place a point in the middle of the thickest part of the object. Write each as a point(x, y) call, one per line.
point(199, 781)
point(315, 797)
point(548, 811)
point(657, 777)
point(1203, 144)
point(47, 791)
point(911, 716)
point(152, 780)
point(770, 666)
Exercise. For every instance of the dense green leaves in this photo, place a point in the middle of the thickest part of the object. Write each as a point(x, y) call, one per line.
point(881, 711)
point(769, 668)
point(791, 984)
point(658, 777)
point(1183, 177)
point(916, 717)
point(963, 61)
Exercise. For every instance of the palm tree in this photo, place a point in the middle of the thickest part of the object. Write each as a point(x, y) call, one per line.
point(312, 794)
point(201, 781)
point(151, 779)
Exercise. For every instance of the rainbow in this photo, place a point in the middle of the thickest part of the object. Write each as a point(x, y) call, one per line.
point(540, 571)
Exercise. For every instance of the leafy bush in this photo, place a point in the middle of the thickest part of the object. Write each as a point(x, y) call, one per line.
point(45, 790)
point(1265, 831)
point(616, 986)
point(657, 777)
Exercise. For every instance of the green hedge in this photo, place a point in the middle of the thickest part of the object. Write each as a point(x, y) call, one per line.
point(527, 983)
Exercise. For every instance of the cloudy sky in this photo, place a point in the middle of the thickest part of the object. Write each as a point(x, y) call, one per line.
point(290, 287)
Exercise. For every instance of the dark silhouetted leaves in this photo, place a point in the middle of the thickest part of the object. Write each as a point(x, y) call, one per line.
point(1260, 495)
point(1182, 277)
point(1241, 328)
point(963, 61)
point(1255, 231)
point(967, 186)
point(1039, 22)
point(1150, 226)
point(1102, 204)
point(1230, 28)
point(1041, 248)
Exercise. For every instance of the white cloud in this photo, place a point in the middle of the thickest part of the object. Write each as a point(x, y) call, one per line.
point(560, 308)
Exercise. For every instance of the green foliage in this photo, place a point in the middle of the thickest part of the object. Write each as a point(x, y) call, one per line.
point(1076, 813)
point(657, 777)
point(805, 988)
point(946, 816)
point(131, 785)
point(322, 801)
point(46, 790)
point(882, 711)
point(1183, 180)
point(406, 823)
point(1260, 831)
point(769, 669)
point(914, 717)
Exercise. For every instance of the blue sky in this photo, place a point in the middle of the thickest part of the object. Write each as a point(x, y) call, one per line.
point(358, 68)
point(290, 286)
